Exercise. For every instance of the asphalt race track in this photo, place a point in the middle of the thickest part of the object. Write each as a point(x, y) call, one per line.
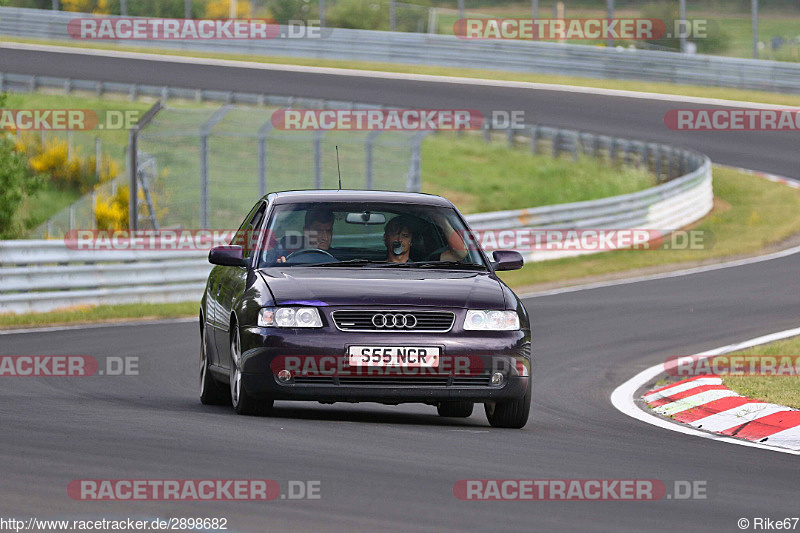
point(393, 468)
point(774, 152)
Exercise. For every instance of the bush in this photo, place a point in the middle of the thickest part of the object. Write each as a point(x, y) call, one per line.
point(357, 14)
point(717, 41)
point(17, 181)
point(221, 9)
point(111, 212)
point(374, 15)
point(65, 172)
point(285, 10)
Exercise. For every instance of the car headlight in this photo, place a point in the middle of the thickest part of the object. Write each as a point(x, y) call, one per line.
point(491, 320)
point(289, 317)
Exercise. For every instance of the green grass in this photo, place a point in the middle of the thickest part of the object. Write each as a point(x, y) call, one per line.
point(100, 313)
point(474, 174)
point(782, 390)
point(627, 85)
point(480, 177)
point(45, 203)
point(749, 214)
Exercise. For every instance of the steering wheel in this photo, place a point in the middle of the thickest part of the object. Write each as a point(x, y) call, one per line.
point(436, 254)
point(309, 251)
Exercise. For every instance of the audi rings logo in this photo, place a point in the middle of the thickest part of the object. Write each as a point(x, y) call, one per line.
point(394, 321)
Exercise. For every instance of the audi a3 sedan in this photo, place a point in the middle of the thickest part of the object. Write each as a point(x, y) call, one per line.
point(363, 296)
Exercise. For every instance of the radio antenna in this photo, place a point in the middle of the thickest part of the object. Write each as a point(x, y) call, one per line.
point(338, 168)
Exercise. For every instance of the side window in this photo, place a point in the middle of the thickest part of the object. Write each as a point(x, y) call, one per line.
point(244, 236)
point(252, 234)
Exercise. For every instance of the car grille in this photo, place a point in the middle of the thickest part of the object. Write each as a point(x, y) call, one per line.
point(394, 320)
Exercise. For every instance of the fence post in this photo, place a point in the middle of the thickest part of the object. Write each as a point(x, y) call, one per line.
point(133, 164)
point(317, 159)
point(205, 131)
point(69, 145)
point(556, 144)
point(414, 179)
point(263, 133)
point(98, 154)
point(369, 146)
point(535, 139)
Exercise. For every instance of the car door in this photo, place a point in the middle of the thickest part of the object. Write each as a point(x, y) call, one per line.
point(232, 281)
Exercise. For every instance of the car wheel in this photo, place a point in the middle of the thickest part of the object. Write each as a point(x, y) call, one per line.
point(462, 409)
point(212, 392)
point(510, 414)
point(243, 402)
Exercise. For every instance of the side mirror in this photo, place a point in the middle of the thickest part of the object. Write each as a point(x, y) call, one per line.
point(227, 256)
point(507, 260)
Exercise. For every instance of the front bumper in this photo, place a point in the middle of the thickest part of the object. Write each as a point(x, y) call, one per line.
point(467, 361)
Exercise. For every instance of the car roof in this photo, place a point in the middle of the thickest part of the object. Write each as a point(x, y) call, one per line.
point(332, 195)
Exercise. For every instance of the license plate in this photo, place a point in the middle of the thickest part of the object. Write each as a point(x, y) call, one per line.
point(402, 356)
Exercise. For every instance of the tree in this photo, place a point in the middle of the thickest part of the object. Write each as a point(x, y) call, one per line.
point(17, 181)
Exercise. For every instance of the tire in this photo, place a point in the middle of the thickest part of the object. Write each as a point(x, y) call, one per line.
point(461, 409)
point(212, 392)
point(243, 403)
point(510, 414)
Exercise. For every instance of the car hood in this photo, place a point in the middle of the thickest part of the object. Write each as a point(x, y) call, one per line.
point(384, 287)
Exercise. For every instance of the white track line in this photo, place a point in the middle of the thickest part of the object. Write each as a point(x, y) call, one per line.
point(623, 397)
point(389, 75)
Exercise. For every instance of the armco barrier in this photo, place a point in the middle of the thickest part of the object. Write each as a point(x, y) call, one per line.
point(38, 276)
point(450, 51)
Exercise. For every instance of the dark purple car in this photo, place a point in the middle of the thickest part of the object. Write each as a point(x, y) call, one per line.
point(363, 296)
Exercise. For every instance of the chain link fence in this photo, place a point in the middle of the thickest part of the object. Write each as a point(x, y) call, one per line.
point(214, 163)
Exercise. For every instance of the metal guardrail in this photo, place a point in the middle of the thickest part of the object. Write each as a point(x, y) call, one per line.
point(448, 50)
point(38, 276)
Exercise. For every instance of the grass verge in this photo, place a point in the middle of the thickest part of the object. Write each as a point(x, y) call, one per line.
point(100, 313)
point(782, 390)
point(477, 176)
point(749, 214)
point(627, 85)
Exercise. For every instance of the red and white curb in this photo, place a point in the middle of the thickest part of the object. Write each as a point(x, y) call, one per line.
point(705, 403)
point(688, 398)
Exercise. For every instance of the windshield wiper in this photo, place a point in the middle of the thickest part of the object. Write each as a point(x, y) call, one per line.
point(441, 264)
point(349, 262)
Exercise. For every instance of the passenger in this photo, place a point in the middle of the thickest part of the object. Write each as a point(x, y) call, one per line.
point(398, 236)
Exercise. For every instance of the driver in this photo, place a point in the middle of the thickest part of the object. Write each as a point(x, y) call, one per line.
point(399, 234)
point(317, 232)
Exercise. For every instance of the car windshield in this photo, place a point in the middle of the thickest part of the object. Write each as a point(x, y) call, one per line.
point(368, 235)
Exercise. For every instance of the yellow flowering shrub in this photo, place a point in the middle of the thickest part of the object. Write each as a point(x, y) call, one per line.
point(221, 9)
point(111, 212)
